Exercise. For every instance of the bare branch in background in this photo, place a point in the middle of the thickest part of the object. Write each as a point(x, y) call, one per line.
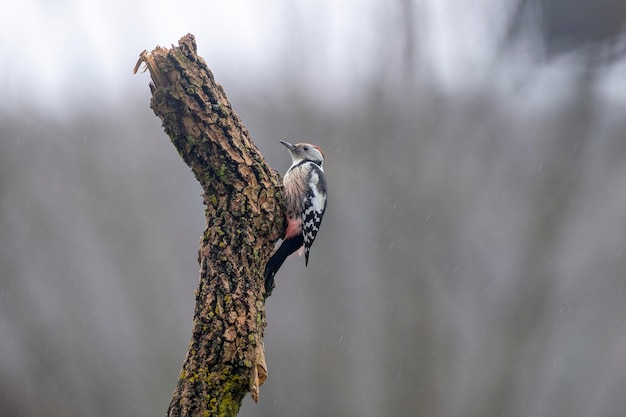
point(596, 28)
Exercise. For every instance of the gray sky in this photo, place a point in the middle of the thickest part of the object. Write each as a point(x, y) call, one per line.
point(46, 46)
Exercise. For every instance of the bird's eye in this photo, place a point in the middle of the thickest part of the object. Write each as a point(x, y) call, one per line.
point(306, 148)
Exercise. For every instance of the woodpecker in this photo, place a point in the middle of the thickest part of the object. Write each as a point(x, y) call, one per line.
point(305, 202)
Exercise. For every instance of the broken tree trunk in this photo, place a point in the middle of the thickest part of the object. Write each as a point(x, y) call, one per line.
point(244, 219)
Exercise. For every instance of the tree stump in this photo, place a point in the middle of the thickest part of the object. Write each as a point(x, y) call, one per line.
point(244, 219)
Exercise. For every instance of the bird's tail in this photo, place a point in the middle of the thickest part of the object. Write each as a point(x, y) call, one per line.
point(288, 247)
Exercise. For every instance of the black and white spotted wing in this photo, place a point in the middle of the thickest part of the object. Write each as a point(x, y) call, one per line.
point(314, 207)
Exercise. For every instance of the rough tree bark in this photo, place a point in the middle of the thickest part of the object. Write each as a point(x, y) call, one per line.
point(225, 359)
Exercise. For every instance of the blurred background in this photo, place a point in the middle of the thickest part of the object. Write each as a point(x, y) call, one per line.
point(472, 261)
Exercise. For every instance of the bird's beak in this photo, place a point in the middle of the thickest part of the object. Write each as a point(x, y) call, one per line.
point(287, 145)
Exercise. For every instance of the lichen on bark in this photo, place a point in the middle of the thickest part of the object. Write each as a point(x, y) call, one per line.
point(226, 357)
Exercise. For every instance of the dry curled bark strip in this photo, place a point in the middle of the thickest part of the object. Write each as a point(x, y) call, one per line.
point(226, 358)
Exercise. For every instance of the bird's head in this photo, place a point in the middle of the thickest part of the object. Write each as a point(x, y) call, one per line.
point(305, 152)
